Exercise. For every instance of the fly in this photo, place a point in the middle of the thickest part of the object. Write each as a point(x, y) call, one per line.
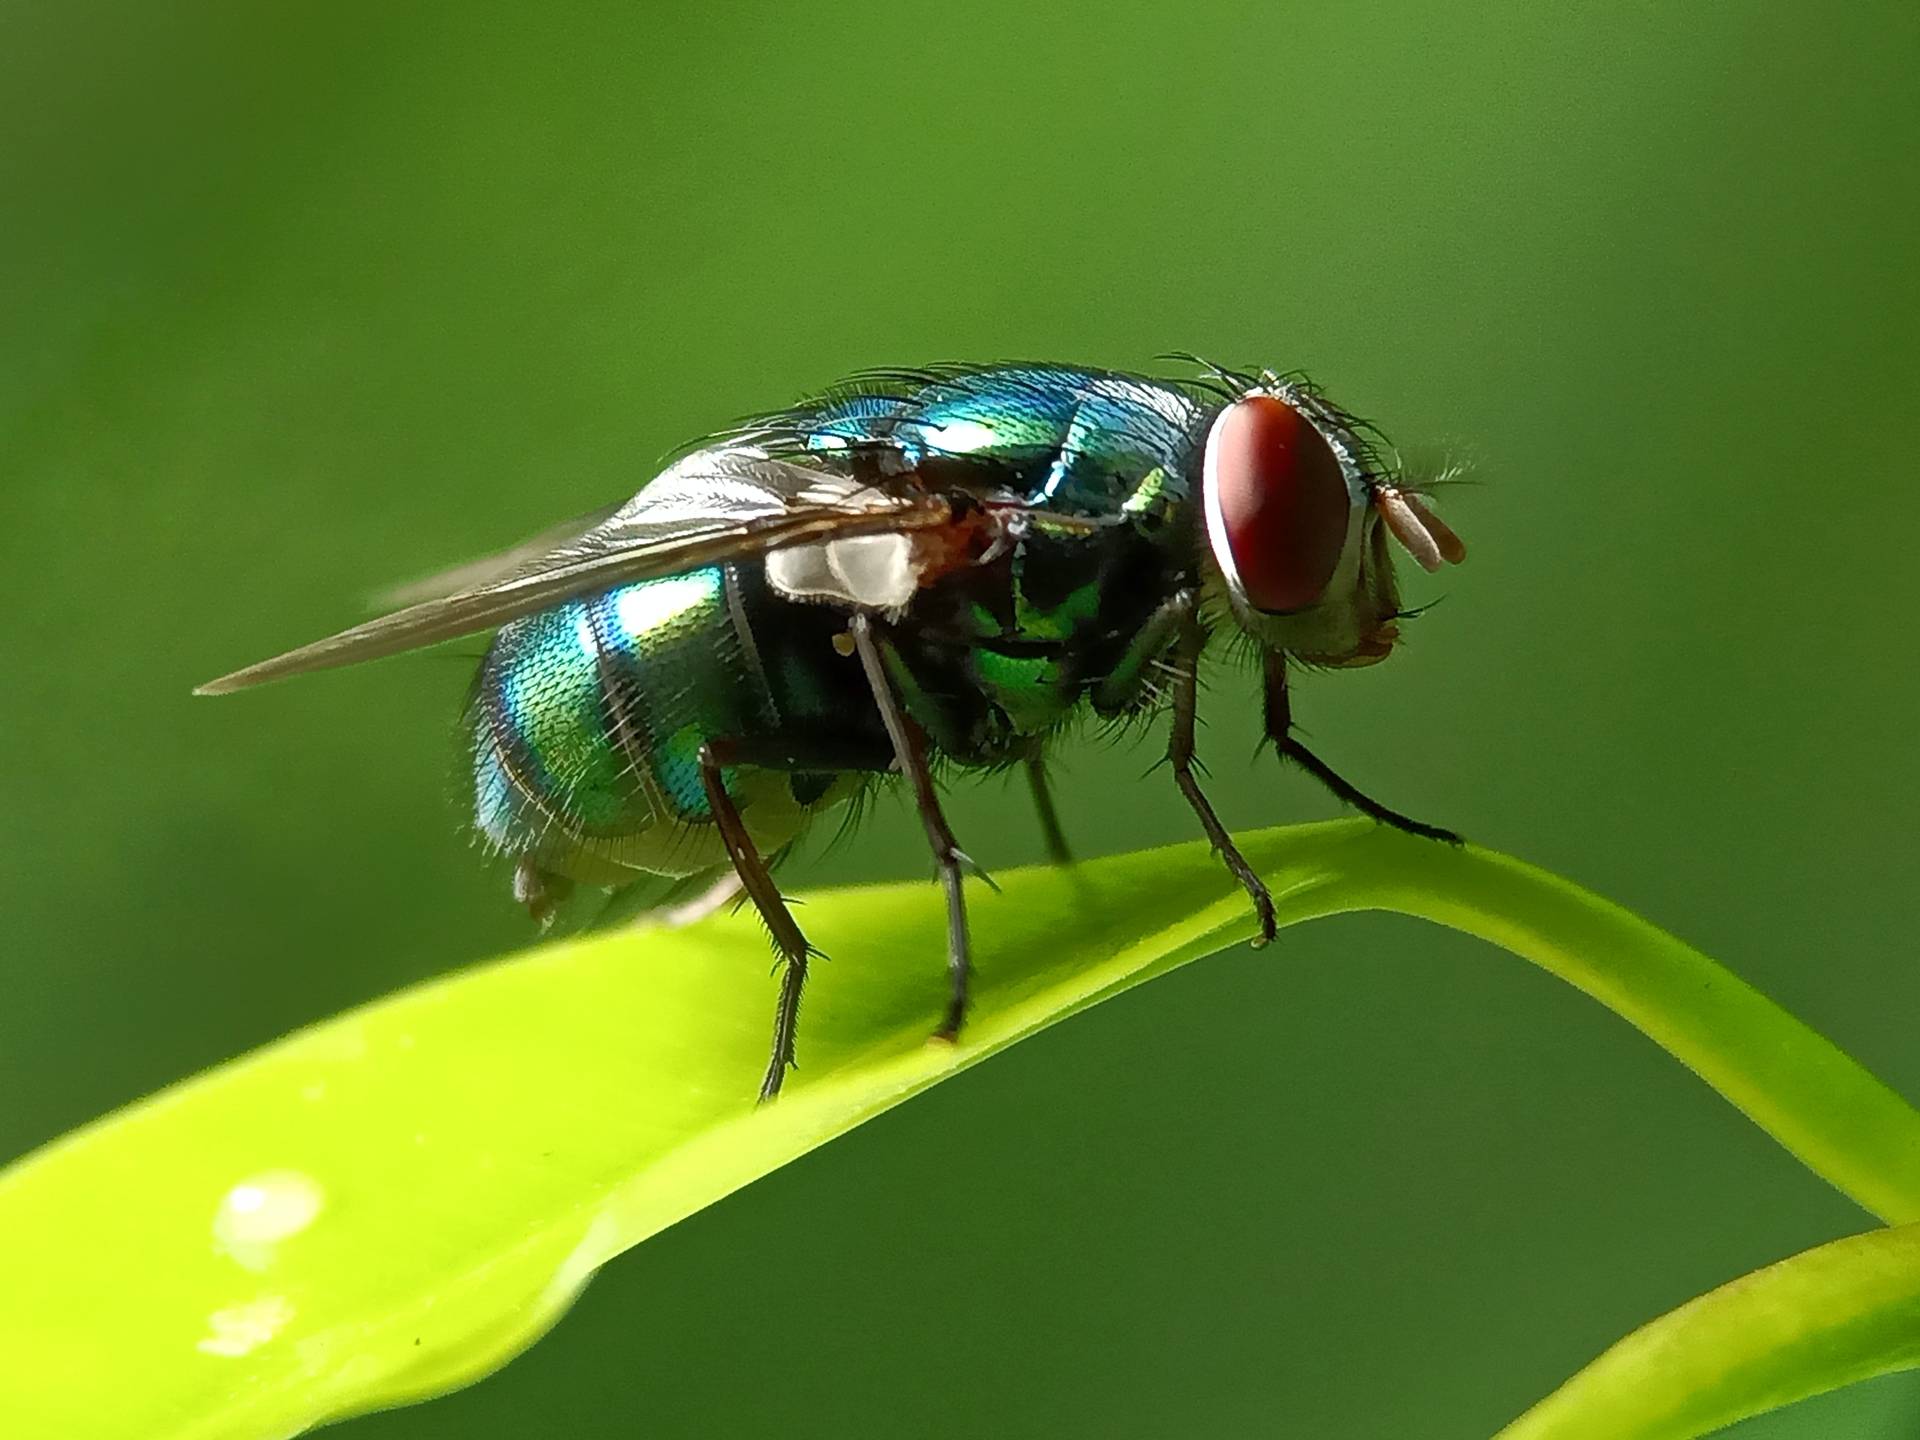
point(950, 563)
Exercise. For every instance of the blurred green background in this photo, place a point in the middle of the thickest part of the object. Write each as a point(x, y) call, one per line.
point(301, 299)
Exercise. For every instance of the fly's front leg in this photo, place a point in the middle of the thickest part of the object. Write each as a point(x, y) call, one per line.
point(910, 750)
point(1280, 732)
point(1186, 685)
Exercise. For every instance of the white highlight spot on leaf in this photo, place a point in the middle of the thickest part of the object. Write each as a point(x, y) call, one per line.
point(263, 1210)
point(241, 1329)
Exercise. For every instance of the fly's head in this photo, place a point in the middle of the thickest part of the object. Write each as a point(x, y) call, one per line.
point(1298, 514)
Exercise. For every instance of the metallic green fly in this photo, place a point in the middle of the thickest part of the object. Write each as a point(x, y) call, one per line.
point(935, 564)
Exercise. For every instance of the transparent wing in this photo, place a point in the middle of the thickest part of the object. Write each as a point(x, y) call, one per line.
point(714, 506)
point(474, 574)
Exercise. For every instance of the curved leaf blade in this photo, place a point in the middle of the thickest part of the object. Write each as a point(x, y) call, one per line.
point(1841, 1312)
point(394, 1202)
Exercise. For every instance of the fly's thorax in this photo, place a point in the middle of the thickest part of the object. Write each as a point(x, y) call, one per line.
point(1297, 512)
point(997, 654)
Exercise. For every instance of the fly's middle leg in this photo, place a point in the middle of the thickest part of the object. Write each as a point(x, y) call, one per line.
point(910, 751)
point(1180, 756)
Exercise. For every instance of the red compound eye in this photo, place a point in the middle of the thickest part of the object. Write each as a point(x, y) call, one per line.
point(1277, 503)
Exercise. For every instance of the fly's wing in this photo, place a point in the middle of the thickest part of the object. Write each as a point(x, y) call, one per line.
point(714, 506)
point(488, 569)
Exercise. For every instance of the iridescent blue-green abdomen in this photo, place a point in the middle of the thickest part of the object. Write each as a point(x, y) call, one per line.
point(588, 721)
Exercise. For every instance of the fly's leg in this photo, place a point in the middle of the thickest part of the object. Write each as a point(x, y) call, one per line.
point(774, 753)
point(1280, 732)
point(1055, 837)
point(1186, 685)
point(767, 899)
point(910, 750)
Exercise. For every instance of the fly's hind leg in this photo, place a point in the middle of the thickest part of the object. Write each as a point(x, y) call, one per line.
point(1180, 756)
point(910, 750)
point(772, 905)
point(1279, 708)
point(757, 880)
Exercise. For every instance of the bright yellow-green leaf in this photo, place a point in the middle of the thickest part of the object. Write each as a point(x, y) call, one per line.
point(394, 1202)
point(1842, 1312)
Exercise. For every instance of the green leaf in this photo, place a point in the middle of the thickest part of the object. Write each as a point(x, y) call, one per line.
point(393, 1203)
point(1845, 1311)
